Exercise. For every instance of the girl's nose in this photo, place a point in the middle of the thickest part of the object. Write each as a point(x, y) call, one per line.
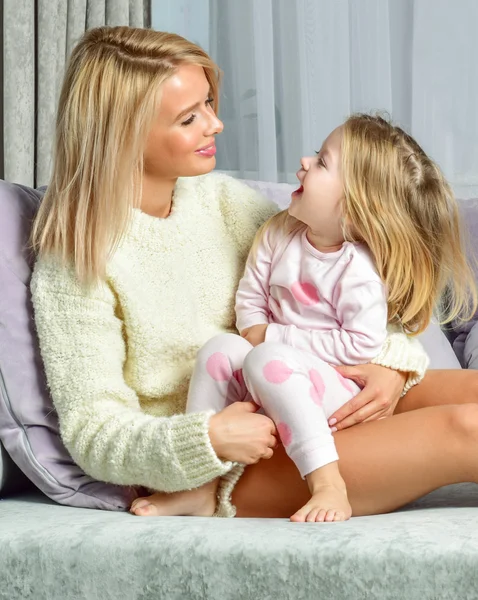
point(305, 162)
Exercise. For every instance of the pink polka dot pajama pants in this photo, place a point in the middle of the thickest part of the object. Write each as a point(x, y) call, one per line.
point(297, 390)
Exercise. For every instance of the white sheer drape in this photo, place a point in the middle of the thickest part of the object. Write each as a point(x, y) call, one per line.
point(294, 69)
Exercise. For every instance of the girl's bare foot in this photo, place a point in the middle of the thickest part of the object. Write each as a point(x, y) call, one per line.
point(326, 504)
point(329, 500)
point(200, 502)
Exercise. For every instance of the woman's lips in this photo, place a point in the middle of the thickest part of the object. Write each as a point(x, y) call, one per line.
point(207, 151)
point(298, 191)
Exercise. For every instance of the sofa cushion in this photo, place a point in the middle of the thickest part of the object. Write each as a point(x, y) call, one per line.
point(425, 551)
point(28, 422)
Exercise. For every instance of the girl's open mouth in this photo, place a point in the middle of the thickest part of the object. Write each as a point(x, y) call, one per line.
point(298, 191)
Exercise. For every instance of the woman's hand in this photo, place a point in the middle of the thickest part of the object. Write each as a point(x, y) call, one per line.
point(239, 434)
point(382, 388)
point(255, 335)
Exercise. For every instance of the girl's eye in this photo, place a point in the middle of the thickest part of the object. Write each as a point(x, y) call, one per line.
point(209, 102)
point(320, 161)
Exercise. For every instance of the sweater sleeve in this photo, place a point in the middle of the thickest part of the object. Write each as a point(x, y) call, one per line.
point(101, 421)
point(403, 353)
point(244, 210)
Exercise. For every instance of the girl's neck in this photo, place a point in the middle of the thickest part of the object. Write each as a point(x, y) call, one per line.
point(322, 243)
point(157, 196)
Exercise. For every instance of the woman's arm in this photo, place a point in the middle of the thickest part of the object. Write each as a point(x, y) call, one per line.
point(401, 364)
point(101, 422)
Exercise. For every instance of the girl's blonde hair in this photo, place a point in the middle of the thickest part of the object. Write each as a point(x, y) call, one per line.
point(399, 204)
point(106, 109)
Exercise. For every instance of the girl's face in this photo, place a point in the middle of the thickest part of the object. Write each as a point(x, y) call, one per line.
point(318, 201)
point(181, 142)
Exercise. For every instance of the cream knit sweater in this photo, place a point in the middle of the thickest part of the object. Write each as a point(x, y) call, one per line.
point(118, 358)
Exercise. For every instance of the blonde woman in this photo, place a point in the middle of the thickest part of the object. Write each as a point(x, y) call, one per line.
point(140, 251)
point(371, 239)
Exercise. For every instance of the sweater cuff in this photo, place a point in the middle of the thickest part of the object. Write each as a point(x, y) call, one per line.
point(193, 449)
point(402, 354)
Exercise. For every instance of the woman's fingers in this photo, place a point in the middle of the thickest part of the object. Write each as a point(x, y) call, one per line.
point(354, 373)
point(351, 408)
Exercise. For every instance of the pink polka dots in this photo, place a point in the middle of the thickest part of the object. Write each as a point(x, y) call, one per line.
point(238, 376)
point(305, 293)
point(218, 367)
point(285, 433)
point(277, 371)
point(318, 387)
point(346, 384)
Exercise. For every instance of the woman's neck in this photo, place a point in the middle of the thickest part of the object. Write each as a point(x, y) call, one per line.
point(157, 196)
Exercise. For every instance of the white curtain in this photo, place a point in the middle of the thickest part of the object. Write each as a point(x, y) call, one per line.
point(294, 69)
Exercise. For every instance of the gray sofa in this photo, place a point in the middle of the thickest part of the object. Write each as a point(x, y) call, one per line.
point(48, 550)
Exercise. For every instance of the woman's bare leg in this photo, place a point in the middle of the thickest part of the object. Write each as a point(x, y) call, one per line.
point(441, 387)
point(385, 464)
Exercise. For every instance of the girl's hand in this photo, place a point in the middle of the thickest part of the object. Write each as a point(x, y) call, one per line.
point(382, 388)
point(255, 335)
point(238, 434)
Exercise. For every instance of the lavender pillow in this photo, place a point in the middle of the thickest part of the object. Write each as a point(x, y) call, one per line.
point(28, 422)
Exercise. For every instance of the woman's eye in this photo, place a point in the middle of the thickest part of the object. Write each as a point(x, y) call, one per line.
point(189, 121)
point(209, 102)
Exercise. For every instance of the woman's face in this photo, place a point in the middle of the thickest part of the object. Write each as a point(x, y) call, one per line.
point(181, 142)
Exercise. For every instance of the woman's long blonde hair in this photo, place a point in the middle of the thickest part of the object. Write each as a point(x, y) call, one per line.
point(106, 109)
point(399, 204)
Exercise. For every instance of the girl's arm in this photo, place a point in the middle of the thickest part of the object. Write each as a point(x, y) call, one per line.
point(361, 310)
point(252, 297)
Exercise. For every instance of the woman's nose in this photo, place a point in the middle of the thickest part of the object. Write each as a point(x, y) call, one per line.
point(215, 125)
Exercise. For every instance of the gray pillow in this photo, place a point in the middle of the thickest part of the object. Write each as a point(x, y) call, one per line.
point(460, 330)
point(28, 422)
point(470, 350)
point(438, 348)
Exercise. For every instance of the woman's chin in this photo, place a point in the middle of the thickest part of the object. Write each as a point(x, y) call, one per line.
point(203, 166)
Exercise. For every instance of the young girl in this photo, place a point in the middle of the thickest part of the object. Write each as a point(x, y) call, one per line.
point(371, 237)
